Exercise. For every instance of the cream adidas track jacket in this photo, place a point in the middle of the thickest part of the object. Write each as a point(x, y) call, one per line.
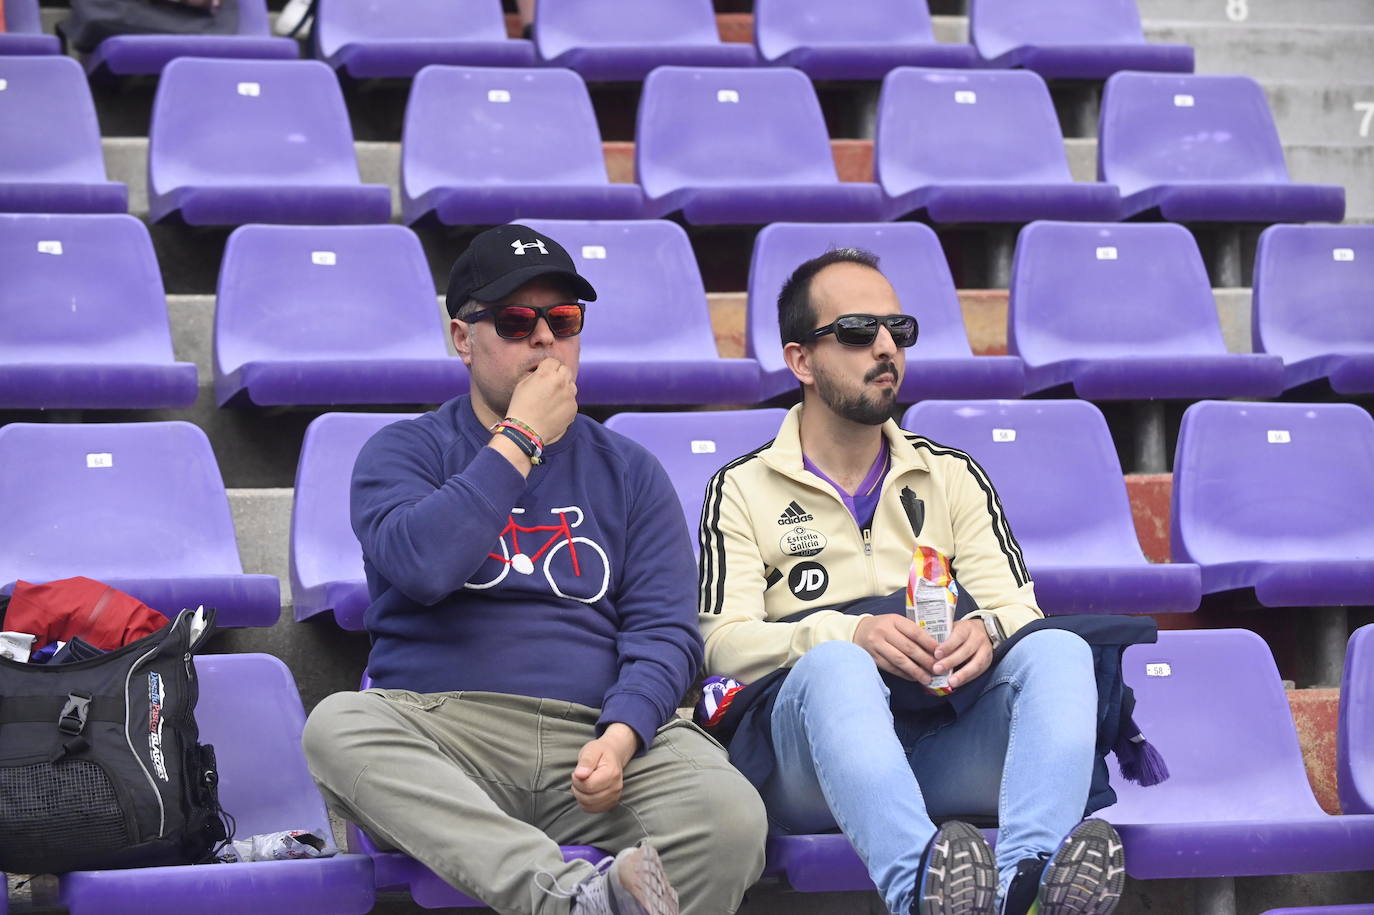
point(776, 539)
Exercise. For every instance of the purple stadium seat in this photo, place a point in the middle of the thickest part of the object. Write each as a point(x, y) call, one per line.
point(1124, 312)
point(329, 315)
point(939, 366)
point(239, 141)
point(131, 55)
point(50, 156)
point(1355, 740)
point(140, 506)
point(1325, 910)
point(1056, 470)
point(1314, 304)
point(371, 39)
point(961, 146)
point(483, 146)
point(85, 317)
point(1237, 802)
point(648, 338)
point(619, 41)
point(1276, 497)
point(823, 863)
point(326, 560)
point(861, 39)
point(250, 711)
point(23, 34)
point(693, 446)
point(1202, 149)
point(1070, 39)
point(741, 146)
point(396, 871)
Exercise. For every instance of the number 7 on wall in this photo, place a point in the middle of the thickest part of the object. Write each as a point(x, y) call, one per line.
point(1367, 108)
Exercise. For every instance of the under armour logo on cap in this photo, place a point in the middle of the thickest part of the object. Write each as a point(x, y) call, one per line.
point(496, 264)
point(520, 246)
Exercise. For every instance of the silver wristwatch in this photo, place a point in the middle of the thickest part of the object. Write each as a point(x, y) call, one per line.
point(994, 629)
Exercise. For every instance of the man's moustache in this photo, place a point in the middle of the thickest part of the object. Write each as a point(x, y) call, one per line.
point(882, 368)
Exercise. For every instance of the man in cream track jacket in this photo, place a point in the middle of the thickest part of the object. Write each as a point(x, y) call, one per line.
point(827, 516)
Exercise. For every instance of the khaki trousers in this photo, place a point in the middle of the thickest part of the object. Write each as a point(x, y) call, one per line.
point(477, 787)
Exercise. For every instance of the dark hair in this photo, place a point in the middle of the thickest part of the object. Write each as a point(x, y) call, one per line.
point(796, 313)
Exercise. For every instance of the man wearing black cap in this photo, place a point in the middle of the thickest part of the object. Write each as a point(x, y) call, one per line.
point(533, 629)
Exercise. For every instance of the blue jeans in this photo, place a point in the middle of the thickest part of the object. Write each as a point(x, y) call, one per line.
point(1024, 752)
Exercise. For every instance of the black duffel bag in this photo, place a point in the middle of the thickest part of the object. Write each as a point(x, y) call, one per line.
point(92, 21)
point(101, 764)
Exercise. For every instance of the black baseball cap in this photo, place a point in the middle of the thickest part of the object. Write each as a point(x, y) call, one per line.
point(501, 260)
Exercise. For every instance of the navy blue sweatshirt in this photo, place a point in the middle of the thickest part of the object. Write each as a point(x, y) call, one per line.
point(577, 583)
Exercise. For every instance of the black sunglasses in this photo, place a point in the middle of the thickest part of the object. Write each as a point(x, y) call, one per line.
point(516, 322)
point(862, 330)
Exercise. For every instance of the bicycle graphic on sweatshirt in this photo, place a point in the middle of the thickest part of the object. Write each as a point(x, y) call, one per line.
point(583, 558)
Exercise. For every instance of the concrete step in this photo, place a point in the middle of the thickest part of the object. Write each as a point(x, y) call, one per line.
point(1320, 113)
point(1258, 12)
point(1333, 54)
point(1349, 165)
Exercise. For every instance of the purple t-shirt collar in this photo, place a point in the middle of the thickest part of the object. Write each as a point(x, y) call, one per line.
point(864, 501)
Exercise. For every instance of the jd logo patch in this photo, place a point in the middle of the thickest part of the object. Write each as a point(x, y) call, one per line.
point(802, 541)
point(808, 580)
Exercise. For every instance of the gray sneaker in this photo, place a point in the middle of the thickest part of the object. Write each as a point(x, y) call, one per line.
point(633, 884)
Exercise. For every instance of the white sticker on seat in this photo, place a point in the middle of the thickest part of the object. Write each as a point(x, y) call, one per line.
point(100, 459)
point(1159, 669)
point(1342, 254)
point(1004, 435)
point(323, 258)
point(1183, 100)
point(1106, 253)
point(252, 90)
point(727, 95)
point(965, 97)
point(1279, 437)
point(4, 84)
point(593, 252)
point(50, 247)
point(703, 446)
point(498, 95)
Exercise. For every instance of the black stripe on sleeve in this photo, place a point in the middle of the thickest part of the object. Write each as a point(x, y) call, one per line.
point(711, 565)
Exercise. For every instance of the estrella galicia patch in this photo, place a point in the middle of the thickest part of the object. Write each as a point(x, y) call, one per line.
point(802, 541)
point(808, 580)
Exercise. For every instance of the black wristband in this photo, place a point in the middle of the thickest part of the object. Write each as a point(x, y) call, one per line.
point(526, 446)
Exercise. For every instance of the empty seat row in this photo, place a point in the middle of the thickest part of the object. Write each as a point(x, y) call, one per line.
point(1060, 482)
point(611, 40)
point(1238, 801)
point(328, 315)
point(233, 142)
point(122, 55)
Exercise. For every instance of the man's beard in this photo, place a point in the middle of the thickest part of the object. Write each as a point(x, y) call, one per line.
point(861, 406)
